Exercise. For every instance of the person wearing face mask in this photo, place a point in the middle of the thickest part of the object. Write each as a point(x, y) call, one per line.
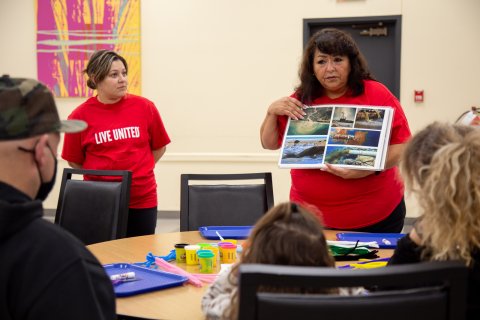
point(334, 71)
point(45, 272)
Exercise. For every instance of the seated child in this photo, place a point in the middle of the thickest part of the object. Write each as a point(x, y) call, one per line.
point(441, 166)
point(288, 234)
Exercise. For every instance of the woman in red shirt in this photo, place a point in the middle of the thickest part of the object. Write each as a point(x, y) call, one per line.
point(125, 132)
point(333, 71)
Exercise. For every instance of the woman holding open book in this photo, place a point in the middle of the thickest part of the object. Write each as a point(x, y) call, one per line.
point(334, 71)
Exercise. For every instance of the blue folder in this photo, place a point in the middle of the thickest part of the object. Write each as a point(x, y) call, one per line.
point(384, 240)
point(146, 280)
point(227, 232)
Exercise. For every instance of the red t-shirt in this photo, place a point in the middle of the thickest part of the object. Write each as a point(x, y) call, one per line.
point(353, 203)
point(120, 136)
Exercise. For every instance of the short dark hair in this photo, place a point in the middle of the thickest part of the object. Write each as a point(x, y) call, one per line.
point(333, 42)
point(99, 65)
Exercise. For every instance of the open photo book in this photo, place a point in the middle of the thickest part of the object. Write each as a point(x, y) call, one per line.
point(350, 136)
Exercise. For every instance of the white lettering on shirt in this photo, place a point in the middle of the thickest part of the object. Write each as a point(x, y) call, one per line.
point(103, 136)
point(118, 134)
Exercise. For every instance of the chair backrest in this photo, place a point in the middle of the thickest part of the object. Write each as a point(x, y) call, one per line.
point(224, 204)
point(94, 211)
point(433, 290)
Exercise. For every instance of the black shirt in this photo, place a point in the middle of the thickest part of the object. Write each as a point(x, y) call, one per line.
point(45, 272)
point(408, 251)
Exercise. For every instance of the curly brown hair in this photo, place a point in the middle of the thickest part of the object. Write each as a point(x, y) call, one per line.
point(333, 42)
point(440, 165)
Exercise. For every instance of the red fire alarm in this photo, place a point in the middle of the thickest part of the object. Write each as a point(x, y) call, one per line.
point(418, 95)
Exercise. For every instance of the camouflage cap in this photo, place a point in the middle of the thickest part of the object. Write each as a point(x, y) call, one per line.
point(27, 109)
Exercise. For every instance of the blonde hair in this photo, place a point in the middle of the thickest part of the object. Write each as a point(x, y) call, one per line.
point(288, 234)
point(441, 165)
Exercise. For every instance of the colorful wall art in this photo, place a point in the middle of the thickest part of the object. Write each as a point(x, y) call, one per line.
point(69, 31)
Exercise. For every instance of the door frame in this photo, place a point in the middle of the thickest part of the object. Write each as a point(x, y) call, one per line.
point(309, 24)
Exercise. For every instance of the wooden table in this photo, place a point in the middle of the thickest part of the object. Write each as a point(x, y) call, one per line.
point(174, 303)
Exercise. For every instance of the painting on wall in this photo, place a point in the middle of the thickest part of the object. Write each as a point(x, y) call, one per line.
point(69, 31)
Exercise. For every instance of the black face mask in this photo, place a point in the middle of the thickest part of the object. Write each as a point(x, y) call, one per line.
point(45, 187)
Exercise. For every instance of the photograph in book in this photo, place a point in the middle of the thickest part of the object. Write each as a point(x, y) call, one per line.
point(369, 118)
point(351, 156)
point(343, 117)
point(351, 136)
point(316, 122)
point(304, 150)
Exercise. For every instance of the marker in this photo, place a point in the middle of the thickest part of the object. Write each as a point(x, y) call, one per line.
point(123, 276)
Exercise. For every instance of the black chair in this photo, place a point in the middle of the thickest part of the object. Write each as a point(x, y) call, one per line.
point(433, 290)
point(224, 204)
point(94, 211)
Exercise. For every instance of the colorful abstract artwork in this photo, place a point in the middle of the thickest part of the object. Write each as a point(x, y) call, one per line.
point(69, 31)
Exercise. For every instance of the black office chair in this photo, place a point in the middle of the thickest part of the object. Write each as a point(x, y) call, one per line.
point(224, 204)
point(94, 211)
point(433, 290)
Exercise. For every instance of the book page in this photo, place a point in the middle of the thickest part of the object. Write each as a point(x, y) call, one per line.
point(351, 136)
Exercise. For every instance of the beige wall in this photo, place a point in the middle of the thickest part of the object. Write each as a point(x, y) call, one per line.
point(213, 66)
